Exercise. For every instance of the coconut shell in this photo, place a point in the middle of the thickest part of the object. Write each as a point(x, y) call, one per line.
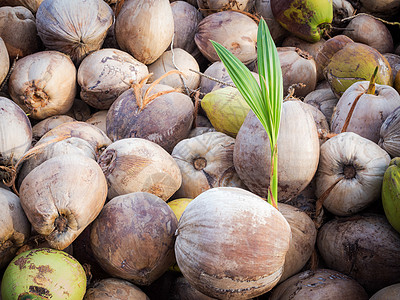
point(74, 27)
point(42, 127)
point(341, 9)
point(323, 99)
point(389, 138)
point(144, 28)
point(349, 245)
point(32, 5)
point(18, 30)
point(183, 290)
point(382, 8)
point(126, 119)
point(138, 165)
point(113, 288)
point(389, 292)
point(4, 61)
point(224, 227)
point(98, 119)
point(43, 84)
point(133, 237)
point(298, 152)
point(107, 73)
point(62, 196)
point(394, 62)
point(321, 284)
point(14, 226)
point(208, 7)
point(235, 31)
point(263, 8)
point(206, 161)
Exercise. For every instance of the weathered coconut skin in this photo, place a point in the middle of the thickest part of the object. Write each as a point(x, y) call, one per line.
point(298, 152)
point(389, 292)
point(166, 120)
point(389, 138)
point(323, 99)
point(114, 288)
point(208, 7)
point(182, 290)
point(32, 5)
point(133, 237)
point(349, 245)
point(4, 61)
point(321, 284)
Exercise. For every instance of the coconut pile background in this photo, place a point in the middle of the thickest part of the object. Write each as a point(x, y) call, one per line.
point(132, 168)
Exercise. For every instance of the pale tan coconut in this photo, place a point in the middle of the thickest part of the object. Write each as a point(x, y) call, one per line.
point(43, 84)
point(301, 246)
point(263, 8)
point(370, 31)
point(324, 99)
point(351, 171)
point(145, 28)
point(138, 165)
point(75, 27)
point(389, 138)
point(186, 19)
point(32, 5)
point(298, 152)
point(14, 226)
point(298, 66)
point(389, 292)
point(4, 61)
point(98, 119)
point(321, 284)
point(208, 7)
point(18, 30)
point(364, 247)
point(133, 237)
point(231, 244)
point(205, 161)
point(176, 59)
point(42, 127)
point(114, 289)
point(62, 196)
point(234, 30)
point(107, 73)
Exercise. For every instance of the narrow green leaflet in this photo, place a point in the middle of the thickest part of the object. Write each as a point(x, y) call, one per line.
point(265, 99)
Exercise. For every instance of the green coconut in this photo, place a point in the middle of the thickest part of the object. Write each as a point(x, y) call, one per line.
point(43, 274)
point(391, 193)
point(226, 109)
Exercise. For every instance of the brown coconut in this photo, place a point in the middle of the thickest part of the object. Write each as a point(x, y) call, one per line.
point(234, 30)
point(42, 127)
point(114, 289)
point(43, 84)
point(182, 290)
point(381, 8)
point(205, 161)
point(62, 196)
point(186, 19)
point(394, 62)
point(74, 27)
point(321, 284)
point(263, 8)
point(131, 116)
point(389, 292)
point(4, 61)
point(14, 226)
point(221, 229)
point(138, 165)
point(107, 73)
point(32, 5)
point(364, 247)
point(341, 9)
point(144, 28)
point(143, 226)
point(298, 152)
point(18, 30)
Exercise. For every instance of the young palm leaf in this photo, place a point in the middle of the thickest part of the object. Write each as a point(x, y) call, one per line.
point(265, 99)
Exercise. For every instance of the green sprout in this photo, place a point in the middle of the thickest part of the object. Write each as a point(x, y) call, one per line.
point(265, 99)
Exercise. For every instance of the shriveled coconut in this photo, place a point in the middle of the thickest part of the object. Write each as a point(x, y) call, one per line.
point(114, 288)
point(389, 138)
point(18, 30)
point(107, 73)
point(224, 227)
point(263, 8)
point(144, 226)
point(144, 28)
point(98, 119)
point(43, 84)
point(176, 59)
point(14, 226)
point(138, 165)
point(42, 127)
point(298, 152)
point(350, 245)
point(80, 111)
point(4, 61)
point(370, 31)
point(324, 99)
point(205, 161)
point(136, 113)
point(320, 284)
point(62, 196)
point(235, 31)
point(208, 7)
point(186, 19)
point(298, 66)
point(302, 242)
point(74, 27)
point(32, 5)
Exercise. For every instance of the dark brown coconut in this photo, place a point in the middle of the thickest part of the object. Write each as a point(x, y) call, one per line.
point(364, 247)
point(114, 289)
point(32, 5)
point(321, 284)
point(165, 120)
point(182, 290)
point(133, 237)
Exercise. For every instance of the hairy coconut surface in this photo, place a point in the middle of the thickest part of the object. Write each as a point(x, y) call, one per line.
point(133, 237)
